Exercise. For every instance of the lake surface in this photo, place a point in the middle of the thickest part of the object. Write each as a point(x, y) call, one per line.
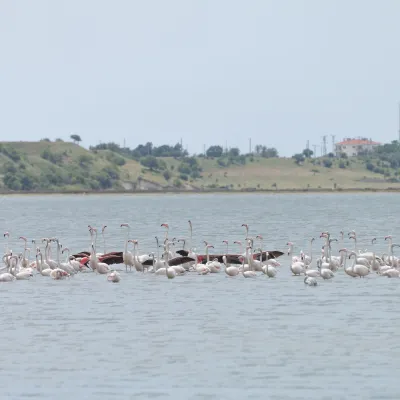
point(201, 337)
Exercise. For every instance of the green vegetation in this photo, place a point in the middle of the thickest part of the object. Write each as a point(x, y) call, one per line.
point(58, 166)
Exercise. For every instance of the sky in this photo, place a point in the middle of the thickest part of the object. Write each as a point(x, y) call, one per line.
point(205, 71)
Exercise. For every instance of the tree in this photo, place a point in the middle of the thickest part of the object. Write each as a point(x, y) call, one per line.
point(308, 153)
point(149, 162)
point(167, 175)
point(84, 160)
point(234, 152)
point(269, 152)
point(76, 138)
point(298, 158)
point(214, 151)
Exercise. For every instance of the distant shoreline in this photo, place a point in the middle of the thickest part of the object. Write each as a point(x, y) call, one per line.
point(200, 192)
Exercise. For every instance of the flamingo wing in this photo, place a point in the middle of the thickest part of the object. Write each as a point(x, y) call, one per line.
point(113, 253)
point(82, 254)
point(148, 262)
point(230, 258)
point(183, 253)
point(84, 260)
point(271, 254)
point(179, 261)
point(111, 259)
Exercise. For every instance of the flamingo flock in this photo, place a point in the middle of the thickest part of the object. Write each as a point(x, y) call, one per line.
point(249, 261)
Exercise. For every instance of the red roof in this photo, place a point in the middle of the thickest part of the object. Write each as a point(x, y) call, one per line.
point(357, 142)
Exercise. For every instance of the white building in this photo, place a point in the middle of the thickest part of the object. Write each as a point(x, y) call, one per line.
point(355, 146)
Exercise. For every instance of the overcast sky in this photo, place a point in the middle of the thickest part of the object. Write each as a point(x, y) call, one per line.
point(207, 71)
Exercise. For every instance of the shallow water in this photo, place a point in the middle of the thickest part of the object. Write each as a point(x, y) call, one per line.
point(200, 337)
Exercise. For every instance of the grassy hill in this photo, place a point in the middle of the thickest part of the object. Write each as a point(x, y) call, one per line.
point(63, 166)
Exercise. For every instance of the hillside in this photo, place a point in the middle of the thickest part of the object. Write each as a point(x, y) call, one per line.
point(66, 167)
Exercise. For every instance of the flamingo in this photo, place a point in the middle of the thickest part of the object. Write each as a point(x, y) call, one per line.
point(307, 259)
point(374, 263)
point(246, 226)
point(359, 269)
point(42, 267)
point(127, 255)
point(58, 274)
point(51, 263)
point(166, 226)
point(170, 272)
point(268, 269)
point(349, 270)
point(250, 273)
point(101, 268)
point(76, 265)
point(104, 239)
point(21, 275)
point(290, 251)
point(7, 276)
point(230, 271)
point(137, 264)
point(325, 273)
point(202, 269)
point(392, 272)
point(114, 277)
point(8, 252)
point(310, 281)
point(24, 261)
point(359, 260)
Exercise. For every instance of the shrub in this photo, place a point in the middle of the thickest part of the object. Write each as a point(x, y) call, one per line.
point(298, 158)
point(166, 175)
point(149, 162)
point(177, 182)
point(327, 163)
point(370, 166)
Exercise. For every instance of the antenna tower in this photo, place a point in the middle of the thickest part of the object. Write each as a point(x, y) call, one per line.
point(399, 122)
point(315, 150)
point(323, 150)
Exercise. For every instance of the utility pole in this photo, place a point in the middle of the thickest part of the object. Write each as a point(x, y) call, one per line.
point(333, 144)
point(226, 147)
point(315, 150)
point(204, 152)
point(399, 122)
point(323, 150)
point(249, 145)
point(181, 145)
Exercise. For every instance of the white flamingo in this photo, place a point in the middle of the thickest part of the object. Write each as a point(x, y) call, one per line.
point(310, 281)
point(250, 273)
point(71, 260)
point(230, 270)
point(347, 270)
point(41, 266)
point(392, 272)
point(114, 277)
point(101, 268)
point(325, 273)
point(127, 256)
point(359, 269)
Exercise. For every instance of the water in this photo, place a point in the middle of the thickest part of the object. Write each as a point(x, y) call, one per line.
point(200, 337)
